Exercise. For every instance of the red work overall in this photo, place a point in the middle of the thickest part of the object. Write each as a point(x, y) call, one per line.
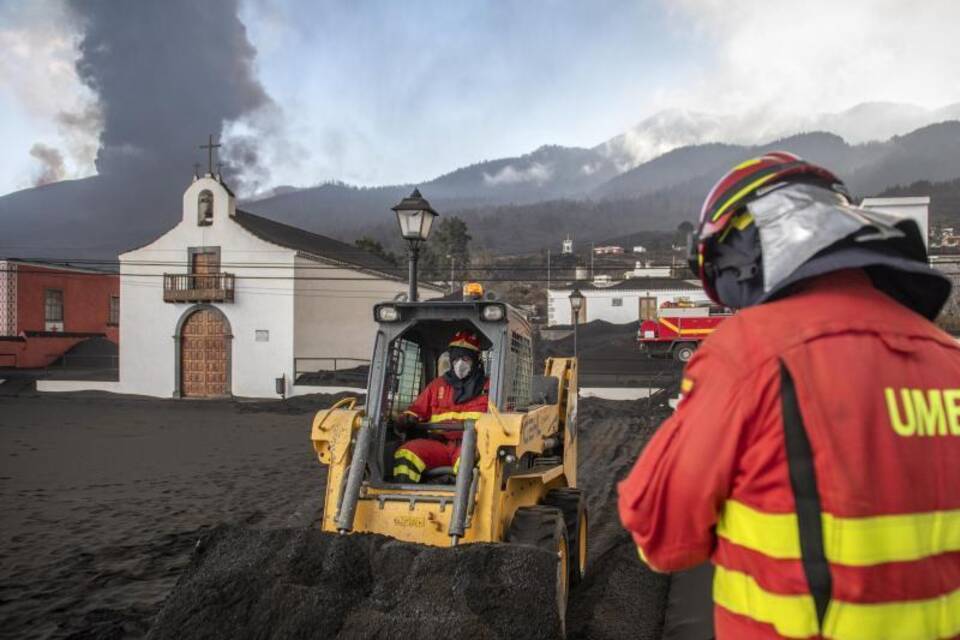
point(435, 405)
point(814, 460)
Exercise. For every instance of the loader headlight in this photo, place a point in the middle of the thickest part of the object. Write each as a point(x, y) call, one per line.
point(493, 312)
point(388, 313)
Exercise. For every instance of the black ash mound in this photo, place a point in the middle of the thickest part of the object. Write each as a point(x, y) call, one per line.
point(301, 583)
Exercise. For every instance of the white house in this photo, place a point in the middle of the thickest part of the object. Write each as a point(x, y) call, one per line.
point(648, 270)
point(620, 302)
point(610, 250)
point(227, 301)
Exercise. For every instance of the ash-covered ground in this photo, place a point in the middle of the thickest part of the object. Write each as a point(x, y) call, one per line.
point(103, 500)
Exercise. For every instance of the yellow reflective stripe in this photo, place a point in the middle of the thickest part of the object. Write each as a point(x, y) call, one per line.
point(739, 194)
point(742, 221)
point(456, 465)
point(686, 386)
point(739, 223)
point(412, 458)
point(776, 535)
point(647, 562)
point(746, 163)
point(684, 332)
point(848, 541)
point(406, 471)
point(933, 618)
point(890, 538)
point(456, 415)
point(792, 616)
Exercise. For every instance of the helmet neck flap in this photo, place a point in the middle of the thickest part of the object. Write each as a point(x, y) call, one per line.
point(800, 231)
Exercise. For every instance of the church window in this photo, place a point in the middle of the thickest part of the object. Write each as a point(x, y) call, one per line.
point(205, 208)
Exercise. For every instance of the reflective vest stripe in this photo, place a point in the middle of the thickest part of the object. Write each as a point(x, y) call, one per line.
point(456, 415)
point(793, 616)
point(856, 542)
point(411, 457)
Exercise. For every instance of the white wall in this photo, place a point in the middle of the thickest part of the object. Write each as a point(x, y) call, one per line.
point(148, 324)
point(599, 303)
point(334, 318)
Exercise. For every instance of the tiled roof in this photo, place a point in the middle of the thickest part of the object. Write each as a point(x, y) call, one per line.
point(313, 243)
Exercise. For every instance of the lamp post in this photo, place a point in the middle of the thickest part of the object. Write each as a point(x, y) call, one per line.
point(576, 303)
point(415, 216)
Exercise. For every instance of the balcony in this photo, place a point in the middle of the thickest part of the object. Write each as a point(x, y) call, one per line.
point(206, 287)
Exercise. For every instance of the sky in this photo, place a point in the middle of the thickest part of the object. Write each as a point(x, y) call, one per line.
point(386, 92)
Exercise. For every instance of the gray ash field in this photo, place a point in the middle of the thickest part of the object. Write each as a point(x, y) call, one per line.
point(104, 499)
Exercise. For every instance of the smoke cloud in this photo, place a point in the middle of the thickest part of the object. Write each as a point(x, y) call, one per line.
point(537, 173)
point(774, 68)
point(167, 74)
point(51, 160)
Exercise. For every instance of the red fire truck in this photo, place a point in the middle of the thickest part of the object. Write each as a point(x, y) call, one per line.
point(679, 328)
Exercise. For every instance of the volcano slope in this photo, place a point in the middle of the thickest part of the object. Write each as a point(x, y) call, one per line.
point(300, 583)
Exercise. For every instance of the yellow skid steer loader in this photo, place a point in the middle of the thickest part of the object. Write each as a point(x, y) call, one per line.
point(517, 477)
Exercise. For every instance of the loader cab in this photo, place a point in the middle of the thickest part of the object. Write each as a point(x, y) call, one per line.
point(411, 350)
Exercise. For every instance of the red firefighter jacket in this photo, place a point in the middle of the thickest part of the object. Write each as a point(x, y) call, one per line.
point(815, 459)
point(435, 403)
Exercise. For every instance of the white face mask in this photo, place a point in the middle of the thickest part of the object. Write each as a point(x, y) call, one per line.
point(462, 368)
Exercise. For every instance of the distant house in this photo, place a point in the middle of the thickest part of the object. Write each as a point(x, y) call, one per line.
point(618, 302)
point(639, 249)
point(567, 246)
point(45, 310)
point(648, 270)
point(228, 302)
point(608, 251)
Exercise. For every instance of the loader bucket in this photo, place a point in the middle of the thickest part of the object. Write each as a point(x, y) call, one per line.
point(303, 583)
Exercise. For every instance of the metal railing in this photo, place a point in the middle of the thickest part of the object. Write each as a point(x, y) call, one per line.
point(198, 287)
point(331, 371)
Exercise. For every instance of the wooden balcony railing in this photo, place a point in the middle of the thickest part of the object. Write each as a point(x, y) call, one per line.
point(206, 287)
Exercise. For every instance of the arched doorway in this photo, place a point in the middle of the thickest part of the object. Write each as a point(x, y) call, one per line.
point(203, 342)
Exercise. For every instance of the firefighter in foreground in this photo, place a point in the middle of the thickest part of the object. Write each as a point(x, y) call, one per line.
point(459, 394)
point(813, 455)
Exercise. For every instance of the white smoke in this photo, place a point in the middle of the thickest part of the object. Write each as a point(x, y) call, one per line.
point(37, 70)
point(863, 69)
point(537, 173)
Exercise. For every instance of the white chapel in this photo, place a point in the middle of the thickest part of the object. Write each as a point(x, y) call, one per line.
point(228, 302)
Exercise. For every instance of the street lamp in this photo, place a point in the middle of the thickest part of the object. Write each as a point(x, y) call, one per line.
point(576, 303)
point(415, 216)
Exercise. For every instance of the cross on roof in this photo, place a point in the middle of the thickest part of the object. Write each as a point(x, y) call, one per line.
point(210, 147)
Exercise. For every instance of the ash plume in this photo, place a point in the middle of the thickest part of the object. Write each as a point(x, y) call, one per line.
point(51, 164)
point(166, 74)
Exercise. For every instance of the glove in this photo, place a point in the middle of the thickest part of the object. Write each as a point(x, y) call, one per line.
point(405, 421)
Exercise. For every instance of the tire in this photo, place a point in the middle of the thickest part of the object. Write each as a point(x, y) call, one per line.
point(574, 508)
point(683, 352)
point(543, 527)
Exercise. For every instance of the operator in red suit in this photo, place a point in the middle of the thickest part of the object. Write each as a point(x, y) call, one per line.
point(462, 393)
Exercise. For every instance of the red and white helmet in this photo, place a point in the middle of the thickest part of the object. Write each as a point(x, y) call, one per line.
point(725, 207)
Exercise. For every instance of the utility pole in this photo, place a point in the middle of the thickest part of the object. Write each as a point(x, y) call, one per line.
point(452, 289)
point(548, 268)
point(591, 259)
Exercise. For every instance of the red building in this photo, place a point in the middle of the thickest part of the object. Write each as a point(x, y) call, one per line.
point(46, 310)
